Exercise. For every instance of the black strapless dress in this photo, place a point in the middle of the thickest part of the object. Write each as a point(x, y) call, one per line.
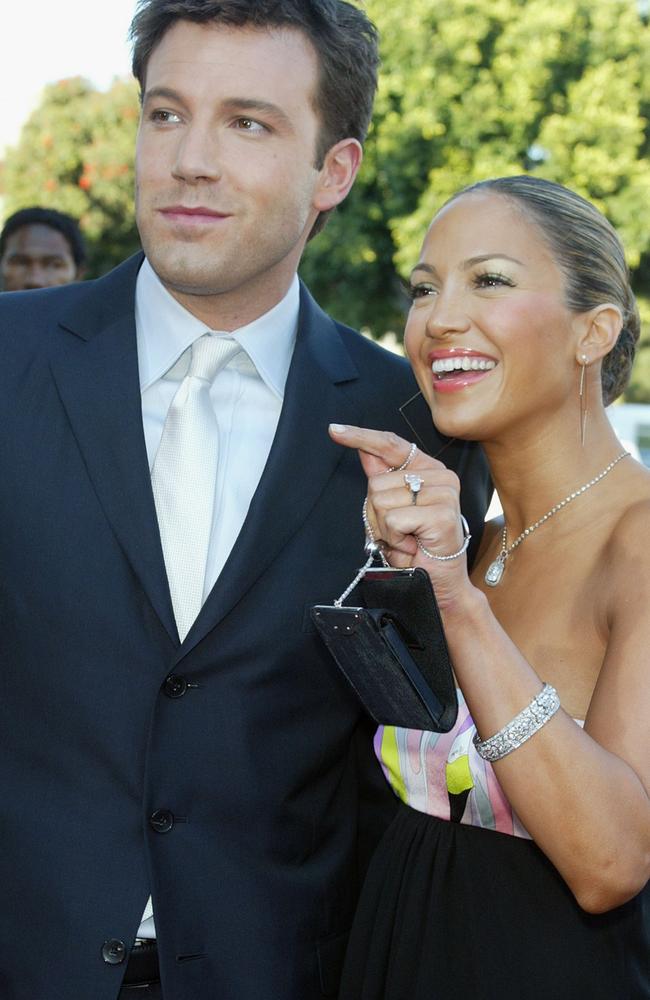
point(460, 904)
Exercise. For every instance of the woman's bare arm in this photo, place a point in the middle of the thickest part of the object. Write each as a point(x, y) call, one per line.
point(583, 795)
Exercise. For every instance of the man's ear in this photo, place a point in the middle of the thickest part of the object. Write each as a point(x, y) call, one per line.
point(600, 329)
point(337, 174)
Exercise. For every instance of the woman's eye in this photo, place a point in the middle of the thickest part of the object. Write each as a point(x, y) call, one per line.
point(492, 280)
point(420, 290)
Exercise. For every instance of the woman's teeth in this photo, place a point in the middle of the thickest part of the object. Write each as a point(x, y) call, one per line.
point(442, 365)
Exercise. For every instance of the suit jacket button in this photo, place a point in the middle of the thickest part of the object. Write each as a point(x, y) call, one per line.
point(113, 951)
point(175, 686)
point(162, 820)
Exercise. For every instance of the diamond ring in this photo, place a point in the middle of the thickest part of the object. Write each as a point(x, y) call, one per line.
point(414, 484)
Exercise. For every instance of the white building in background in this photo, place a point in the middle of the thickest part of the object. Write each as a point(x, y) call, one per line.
point(631, 421)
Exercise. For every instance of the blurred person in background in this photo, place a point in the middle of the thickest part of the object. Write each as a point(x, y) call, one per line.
point(40, 248)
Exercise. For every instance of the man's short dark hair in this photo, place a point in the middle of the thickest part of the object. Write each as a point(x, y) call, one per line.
point(36, 216)
point(344, 39)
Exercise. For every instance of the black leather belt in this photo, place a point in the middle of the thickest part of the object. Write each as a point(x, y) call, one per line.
point(142, 967)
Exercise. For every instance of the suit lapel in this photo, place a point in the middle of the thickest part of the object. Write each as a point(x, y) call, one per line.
point(96, 373)
point(301, 461)
point(95, 367)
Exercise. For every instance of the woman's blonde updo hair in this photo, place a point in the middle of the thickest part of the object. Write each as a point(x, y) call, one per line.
point(590, 255)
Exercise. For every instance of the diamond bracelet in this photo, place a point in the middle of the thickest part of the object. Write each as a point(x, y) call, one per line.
point(542, 708)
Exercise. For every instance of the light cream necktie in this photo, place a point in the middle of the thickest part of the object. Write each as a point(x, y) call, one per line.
point(184, 477)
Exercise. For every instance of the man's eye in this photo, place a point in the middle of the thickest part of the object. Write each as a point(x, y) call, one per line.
point(164, 117)
point(249, 125)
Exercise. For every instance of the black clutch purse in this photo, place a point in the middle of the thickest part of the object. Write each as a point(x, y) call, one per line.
point(390, 644)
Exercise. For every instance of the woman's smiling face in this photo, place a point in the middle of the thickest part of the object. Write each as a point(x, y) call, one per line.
point(489, 335)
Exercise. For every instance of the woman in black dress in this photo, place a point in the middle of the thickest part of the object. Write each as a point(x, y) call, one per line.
point(518, 864)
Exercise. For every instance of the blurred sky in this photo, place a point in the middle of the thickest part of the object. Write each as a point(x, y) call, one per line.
point(46, 40)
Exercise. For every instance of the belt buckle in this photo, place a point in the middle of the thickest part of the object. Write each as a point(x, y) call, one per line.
point(144, 943)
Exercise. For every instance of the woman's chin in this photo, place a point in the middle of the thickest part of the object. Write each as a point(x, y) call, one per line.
point(457, 425)
point(459, 433)
point(462, 411)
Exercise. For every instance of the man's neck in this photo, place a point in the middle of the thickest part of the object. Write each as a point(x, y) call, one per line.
point(231, 310)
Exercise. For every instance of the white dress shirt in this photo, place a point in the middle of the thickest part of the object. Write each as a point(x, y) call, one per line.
point(247, 398)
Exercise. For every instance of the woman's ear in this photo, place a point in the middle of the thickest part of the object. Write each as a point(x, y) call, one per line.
point(600, 328)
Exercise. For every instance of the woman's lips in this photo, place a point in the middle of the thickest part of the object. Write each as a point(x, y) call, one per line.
point(455, 369)
point(457, 381)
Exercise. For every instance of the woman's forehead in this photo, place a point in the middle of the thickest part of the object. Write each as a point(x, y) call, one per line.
point(485, 221)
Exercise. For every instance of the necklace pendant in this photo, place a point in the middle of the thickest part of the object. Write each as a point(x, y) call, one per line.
point(495, 571)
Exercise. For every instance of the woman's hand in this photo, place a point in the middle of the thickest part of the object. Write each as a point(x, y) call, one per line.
point(580, 793)
point(401, 518)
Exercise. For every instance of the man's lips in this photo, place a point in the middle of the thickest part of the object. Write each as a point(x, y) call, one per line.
point(195, 214)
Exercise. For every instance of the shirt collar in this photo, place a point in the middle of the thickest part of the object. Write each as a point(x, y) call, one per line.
point(165, 329)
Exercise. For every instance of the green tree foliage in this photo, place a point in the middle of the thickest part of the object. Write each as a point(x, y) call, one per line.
point(469, 89)
point(76, 154)
point(472, 89)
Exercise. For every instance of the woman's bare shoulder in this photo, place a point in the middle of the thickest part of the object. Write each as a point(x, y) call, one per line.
point(628, 542)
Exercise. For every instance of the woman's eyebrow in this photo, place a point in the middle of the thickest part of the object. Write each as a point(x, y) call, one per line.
point(472, 261)
point(422, 266)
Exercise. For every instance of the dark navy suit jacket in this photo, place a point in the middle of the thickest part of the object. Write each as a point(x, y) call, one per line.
point(230, 776)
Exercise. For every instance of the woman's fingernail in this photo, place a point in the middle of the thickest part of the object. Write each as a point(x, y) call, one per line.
point(338, 428)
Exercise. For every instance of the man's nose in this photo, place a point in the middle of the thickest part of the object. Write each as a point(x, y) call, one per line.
point(37, 276)
point(197, 155)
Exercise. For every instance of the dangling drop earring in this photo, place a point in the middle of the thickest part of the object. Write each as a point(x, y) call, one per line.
point(583, 399)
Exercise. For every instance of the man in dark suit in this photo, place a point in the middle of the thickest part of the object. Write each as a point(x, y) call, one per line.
point(181, 761)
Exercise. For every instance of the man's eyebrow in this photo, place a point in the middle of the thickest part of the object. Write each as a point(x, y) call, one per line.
point(234, 104)
point(34, 255)
point(472, 261)
point(162, 93)
point(231, 104)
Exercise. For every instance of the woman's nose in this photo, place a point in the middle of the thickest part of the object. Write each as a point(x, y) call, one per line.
point(446, 315)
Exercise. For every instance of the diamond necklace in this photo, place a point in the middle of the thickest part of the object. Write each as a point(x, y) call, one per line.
point(496, 569)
